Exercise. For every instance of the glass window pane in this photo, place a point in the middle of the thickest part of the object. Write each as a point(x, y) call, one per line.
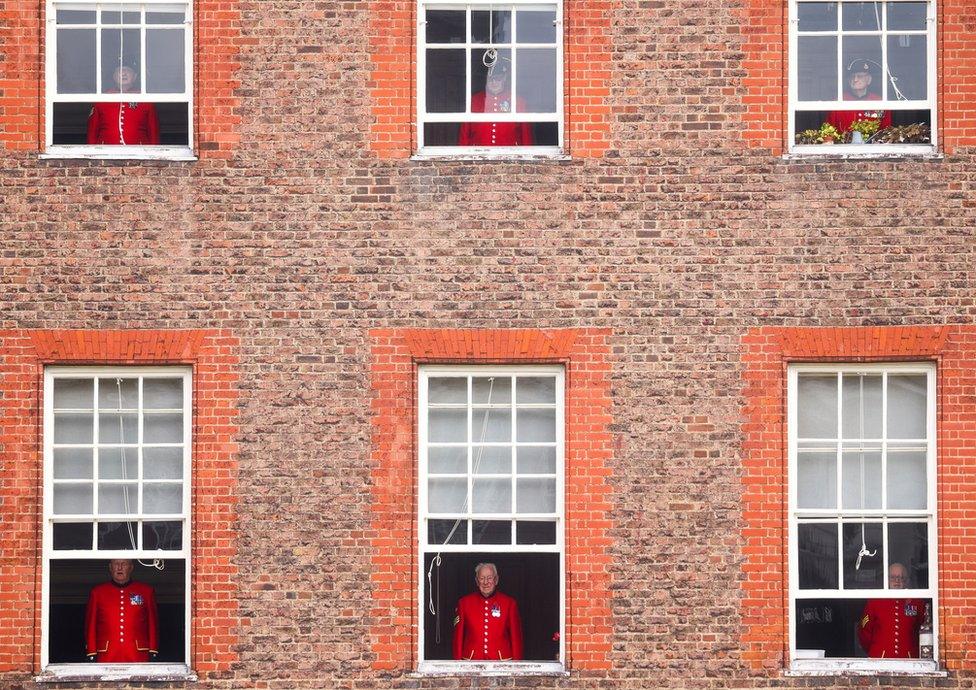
point(162, 394)
point(817, 68)
point(862, 16)
point(76, 60)
point(491, 27)
point(536, 459)
point(162, 463)
point(906, 16)
point(167, 536)
point(535, 532)
point(816, 480)
point(111, 465)
point(491, 532)
point(817, 548)
point(495, 97)
point(162, 428)
point(445, 26)
point(906, 406)
point(118, 535)
point(108, 393)
point(121, 53)
point(492, 496)
point(447, 426)
point(445, 81)
point(446, 495)
point(163, 498)
point(447, 531)
point(906, 480)
point(826, 628)
point(112, 14)
point(817, 16)
point(163, 14)
point(858, 465)
point(908, 67)
point(491, 460)
point(536, 26)
point(868, 573)
point(72, 463)
point(447, 390)
point(70, 499)
point(817, 407)
point(908, 546)
point(73, 394)
point(165, 68)
point(535, 389)
point(447, 460)
point(118, 499)
point(536, 426)
point(494, 389)
point(536, 496)
point(118, 428)
point(73, 428)
point(861, 51)
point(862, 417)
point(536, 80)
point(491, 426)
point(75, 16)
point(72, 535)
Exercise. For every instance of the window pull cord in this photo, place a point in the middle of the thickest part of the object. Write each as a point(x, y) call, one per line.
point(864, 547)
point(490, 56)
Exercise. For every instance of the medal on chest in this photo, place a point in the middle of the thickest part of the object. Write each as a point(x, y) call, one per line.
point(135, 599)
point(911, 610)
point(496, 611)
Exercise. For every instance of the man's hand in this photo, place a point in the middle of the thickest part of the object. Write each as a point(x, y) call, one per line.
point(91, 657)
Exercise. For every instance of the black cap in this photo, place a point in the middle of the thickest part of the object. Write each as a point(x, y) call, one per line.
point(858, 65)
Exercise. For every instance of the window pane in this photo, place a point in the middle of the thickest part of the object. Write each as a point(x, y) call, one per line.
point(73, 428)
point(908, 65)
point(72, 535)
point(163, 428)
point(817, 406)
point(817, 68)
point(445, 26)
point(118, 499)
point(108, 394)
point(535, 532)
point(494, 389)
point(865, 464)
point(906, 16)
point(536, 80)
point(75, 16)
point(908, 545)
point(120, 50)
point(162, 394)
point(110, 465)
point(491, 27)
point(162, 535)
point(500, 91)
point(816, 480)
point(906, 406)
point(867, 574)
point(491, 460)
point(447, 531)
point(492, 496)
point(72, 463)
point(117, 535)
point(162, 463)
point(445, 82)
point(827, 628)
point(165, 69)
point(536, 460)
point(447, 426)
point(118, 428)
point(76, 60)
point(447, 390)
point(165, 15)
point(536, 496)
point(862, 417)
point(861, 50)
point(163, 498)
point(492, 426)
point(70, 499)
point(817, 548)
point(73, 394)
point(906, 480)
point(491, 532)
point(536, 26)
point(817, 16)
point(862, 16)
point(447, 460)
point(446, 495)
point(536, 426)
point(535, 389)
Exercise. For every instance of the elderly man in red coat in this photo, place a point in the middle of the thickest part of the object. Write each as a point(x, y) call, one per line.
point(496, 98)
point(117, 124)
point(121, 620)
point(487, 626)
point(859, 89)
point(889, 627)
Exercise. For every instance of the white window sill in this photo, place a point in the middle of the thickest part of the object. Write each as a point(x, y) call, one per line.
point(864, 667)
point(121, 153)
point(90, 673)
point(491, 153)
point(491, 668)
point(862, 151)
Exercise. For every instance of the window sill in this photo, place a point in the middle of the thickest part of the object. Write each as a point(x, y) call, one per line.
point(120, 153)
point(862, 152)
point(864, 667)
point(491, 668)
point(90, 673)
point(491, 153)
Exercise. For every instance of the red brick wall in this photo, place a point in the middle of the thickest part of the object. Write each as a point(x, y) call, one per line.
point(216, 621)
point(395, 355)
point(766, 355)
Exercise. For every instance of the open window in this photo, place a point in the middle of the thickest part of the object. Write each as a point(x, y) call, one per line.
point(116, 486)
point(490, 78)
point(119, 79)
point(491, 490)
point(862, 76)
point(863, 566)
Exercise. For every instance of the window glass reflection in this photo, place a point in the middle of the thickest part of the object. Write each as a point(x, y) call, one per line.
point(862, 54)
point(861, 16)
point(445, 80)
point(536, 26)
point(908, 545)
point(491, 27)
point(165, 70)
point(76, 61)
point(861, 479)
point(816, 480)
point(906, 16)
point(817, 548)
point(817, 68)
point(121, 55)
point(861, 569)
point(817, 16)
point(445, 26)
point(908, 66)
point(536, 79)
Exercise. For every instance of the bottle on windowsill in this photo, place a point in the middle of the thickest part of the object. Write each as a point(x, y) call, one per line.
point(925, 635)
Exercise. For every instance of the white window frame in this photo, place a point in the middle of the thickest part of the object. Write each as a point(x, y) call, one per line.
point(863, 150)
point(104, 152)
point(494, 668)
point(94, 671)
point(853, 665)
point(486, 151)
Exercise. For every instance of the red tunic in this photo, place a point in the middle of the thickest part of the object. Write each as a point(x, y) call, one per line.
point(120, 622)
point(889, 628)
point(843, 119)
point(494, 133)
point(135, 124)
point(487, 628)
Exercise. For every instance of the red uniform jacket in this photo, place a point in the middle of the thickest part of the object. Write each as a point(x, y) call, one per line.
point(843, 119)
point(487, 628)
point(889, 627)
point(494, 133)
point(120, 623)
point(135, 124)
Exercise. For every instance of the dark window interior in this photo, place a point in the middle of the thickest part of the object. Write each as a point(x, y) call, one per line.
point(830, 625)
point(446, 133)
point(812, 119)
point(71, 124)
